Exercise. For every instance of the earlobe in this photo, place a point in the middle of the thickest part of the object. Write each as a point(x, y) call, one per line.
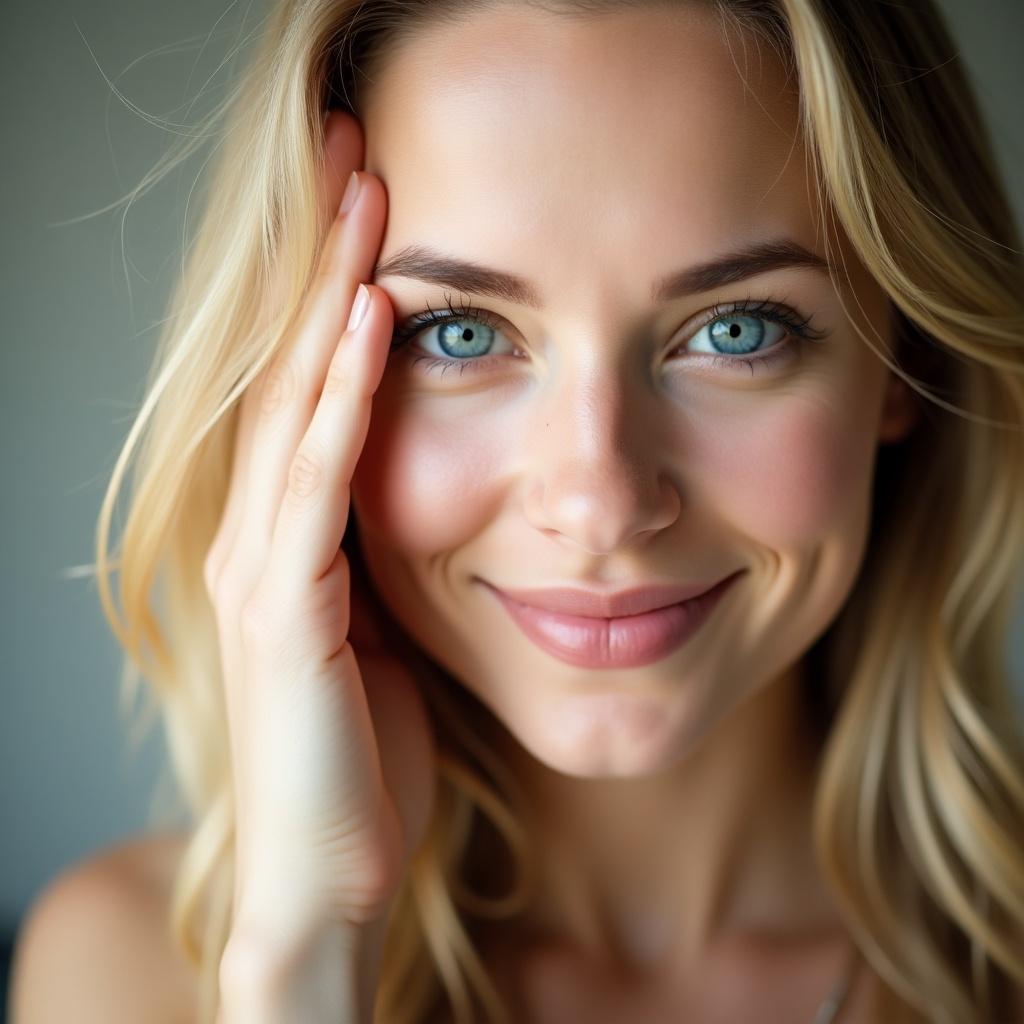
point(900, 411)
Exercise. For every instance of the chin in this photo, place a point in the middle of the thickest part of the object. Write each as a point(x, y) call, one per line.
point(605, 736)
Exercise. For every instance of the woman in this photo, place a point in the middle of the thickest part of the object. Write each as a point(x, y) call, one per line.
point(710, 313)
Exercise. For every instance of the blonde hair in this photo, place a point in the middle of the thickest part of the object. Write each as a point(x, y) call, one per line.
point(919, 810)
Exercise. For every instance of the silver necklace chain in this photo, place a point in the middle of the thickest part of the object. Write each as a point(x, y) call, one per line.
point(834, 1000)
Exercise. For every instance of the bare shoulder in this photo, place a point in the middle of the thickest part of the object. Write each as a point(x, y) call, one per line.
point(96, 943)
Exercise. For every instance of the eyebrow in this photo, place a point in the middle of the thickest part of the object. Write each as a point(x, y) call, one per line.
point(422, 263)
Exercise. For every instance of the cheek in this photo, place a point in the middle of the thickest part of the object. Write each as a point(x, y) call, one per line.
point(786, 475)
point(785, 470)
point(424, 482)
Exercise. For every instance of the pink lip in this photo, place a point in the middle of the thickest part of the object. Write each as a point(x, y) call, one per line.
point(619, 641)
point(597, 605)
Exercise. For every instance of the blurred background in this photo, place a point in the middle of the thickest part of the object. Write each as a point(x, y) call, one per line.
point(96, 92)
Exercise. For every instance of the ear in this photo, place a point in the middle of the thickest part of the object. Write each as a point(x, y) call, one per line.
point(343, 154)
point(900, 410)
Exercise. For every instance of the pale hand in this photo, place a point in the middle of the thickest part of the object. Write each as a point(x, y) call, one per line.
point(331, 746)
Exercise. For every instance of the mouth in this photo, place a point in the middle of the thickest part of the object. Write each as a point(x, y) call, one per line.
point(617, 641)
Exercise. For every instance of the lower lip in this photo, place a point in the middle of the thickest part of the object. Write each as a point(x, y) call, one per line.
point(626, 642)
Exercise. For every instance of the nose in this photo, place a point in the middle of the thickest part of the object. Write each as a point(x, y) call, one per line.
point(599, 480)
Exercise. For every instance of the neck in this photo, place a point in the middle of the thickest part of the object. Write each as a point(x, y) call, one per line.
point(654, 871)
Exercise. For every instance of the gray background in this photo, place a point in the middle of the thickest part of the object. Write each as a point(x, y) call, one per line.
point(77, 338)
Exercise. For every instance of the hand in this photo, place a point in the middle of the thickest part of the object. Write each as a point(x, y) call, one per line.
point(331, 746)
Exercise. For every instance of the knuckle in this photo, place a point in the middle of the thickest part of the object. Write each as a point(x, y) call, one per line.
point(212, 571)
point(373, 890)
point(339, 376)
point(305, 476)
point(229, 593)
point(332, 259)
point(375, 874)
point(255, 619)
point(222, 587)
point(280, 387)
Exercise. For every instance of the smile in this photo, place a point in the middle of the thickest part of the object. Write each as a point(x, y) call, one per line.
point(627, 641)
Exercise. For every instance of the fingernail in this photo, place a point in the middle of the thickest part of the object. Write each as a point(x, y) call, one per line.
point(348, 200)
point(358, 308)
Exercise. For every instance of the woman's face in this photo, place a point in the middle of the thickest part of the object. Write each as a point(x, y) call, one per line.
point(589, 436)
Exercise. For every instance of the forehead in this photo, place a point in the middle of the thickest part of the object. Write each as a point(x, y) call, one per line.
point(636, 139)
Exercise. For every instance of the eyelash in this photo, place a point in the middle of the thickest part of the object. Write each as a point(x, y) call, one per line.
point(799, 330)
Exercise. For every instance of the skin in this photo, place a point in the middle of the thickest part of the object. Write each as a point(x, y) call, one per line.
point(592, 157)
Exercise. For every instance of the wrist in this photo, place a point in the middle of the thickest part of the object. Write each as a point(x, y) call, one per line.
point(320, 971)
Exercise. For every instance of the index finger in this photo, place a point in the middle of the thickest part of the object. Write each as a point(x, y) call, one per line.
point(343, 152)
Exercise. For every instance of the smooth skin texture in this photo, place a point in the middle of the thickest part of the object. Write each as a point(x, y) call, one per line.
point(310, 780)
point(598, 446)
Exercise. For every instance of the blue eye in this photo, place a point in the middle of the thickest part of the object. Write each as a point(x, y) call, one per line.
point(766, 331)
point(458, 338)
point(464, 337)
point(739, 335)
point(770, 332)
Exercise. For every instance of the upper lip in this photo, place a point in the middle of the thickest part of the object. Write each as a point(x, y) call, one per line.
point(595, 604)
